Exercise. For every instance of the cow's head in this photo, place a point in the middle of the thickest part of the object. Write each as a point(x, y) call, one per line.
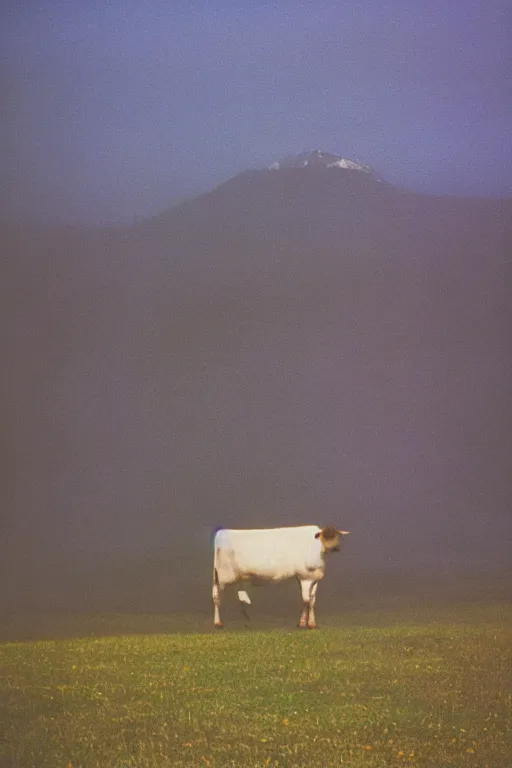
point(331, 538)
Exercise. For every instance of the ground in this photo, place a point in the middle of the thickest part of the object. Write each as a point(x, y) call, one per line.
point(420, 688)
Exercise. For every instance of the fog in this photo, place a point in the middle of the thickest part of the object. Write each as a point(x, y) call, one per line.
point(336, 353)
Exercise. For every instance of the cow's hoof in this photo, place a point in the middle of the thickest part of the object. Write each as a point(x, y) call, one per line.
point(302, 626)
point(312, 626)
point(219, 626)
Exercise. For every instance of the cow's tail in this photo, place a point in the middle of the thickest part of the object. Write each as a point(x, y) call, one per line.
point(216, 589)
point(216, 555)
point(216, 559)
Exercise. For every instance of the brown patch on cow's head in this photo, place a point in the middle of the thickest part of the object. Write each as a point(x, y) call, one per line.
point(330, 538)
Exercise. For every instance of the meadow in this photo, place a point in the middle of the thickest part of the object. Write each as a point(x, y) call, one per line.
point(427, 688)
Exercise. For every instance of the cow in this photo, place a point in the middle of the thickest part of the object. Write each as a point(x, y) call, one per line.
point(270, 555)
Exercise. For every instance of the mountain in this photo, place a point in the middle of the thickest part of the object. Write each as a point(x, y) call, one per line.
point(324, 214)
point(316, 158)
point(296, 345)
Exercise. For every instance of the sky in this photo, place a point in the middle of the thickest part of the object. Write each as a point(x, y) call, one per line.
point(119, 109)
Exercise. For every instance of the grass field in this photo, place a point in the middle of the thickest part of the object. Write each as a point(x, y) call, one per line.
point(429, 689)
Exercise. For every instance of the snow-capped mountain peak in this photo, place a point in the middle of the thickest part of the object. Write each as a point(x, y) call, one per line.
point(318, 158)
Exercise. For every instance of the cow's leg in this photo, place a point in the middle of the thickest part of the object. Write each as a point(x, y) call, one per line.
point(312, 601)
point(305, 587)
point(216, 600)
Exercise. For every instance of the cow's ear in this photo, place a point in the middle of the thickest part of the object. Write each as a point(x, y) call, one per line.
point(343, 533)
point(318, 534)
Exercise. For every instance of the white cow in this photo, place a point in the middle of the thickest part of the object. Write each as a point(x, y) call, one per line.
point(273, 554)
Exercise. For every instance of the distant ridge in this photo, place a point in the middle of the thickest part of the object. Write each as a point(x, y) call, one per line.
point(318, 158)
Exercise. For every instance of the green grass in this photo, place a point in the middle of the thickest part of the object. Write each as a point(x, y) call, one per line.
point(426, 690)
